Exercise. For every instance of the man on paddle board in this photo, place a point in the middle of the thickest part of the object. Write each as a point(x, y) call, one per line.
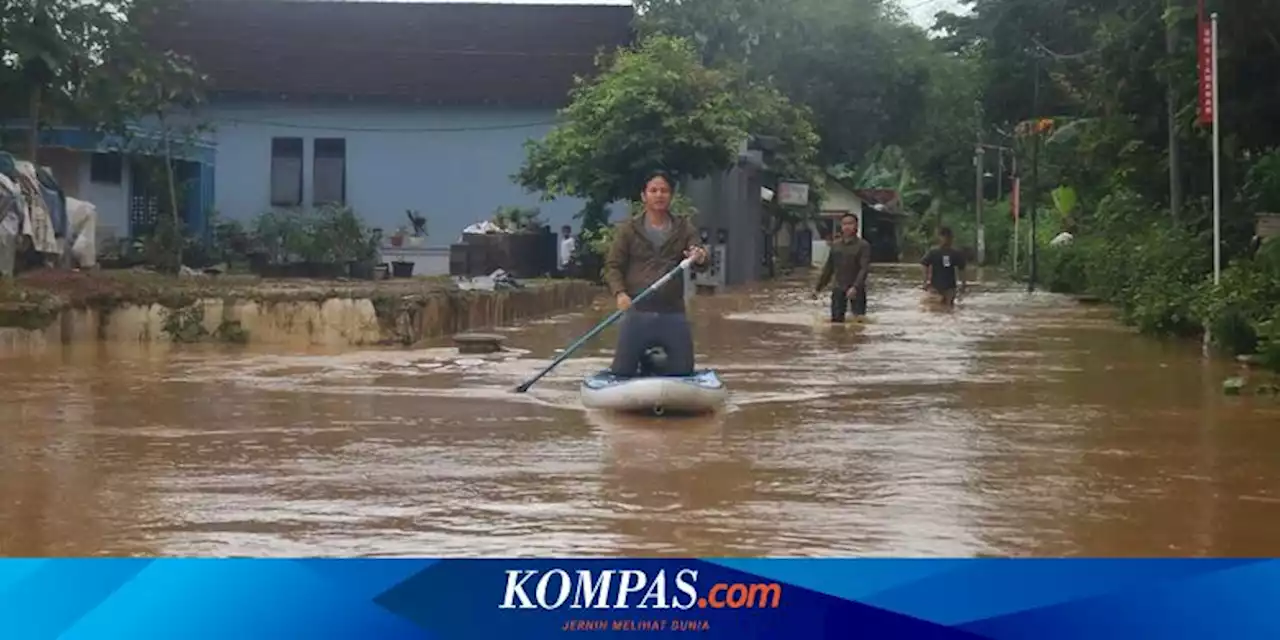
point(944, 269)
point(644, 249)
point(846, 270)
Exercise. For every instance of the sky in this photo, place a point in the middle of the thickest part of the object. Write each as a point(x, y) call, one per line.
point(920, 11)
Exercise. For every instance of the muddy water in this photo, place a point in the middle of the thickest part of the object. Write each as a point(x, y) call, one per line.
point(1015, 425)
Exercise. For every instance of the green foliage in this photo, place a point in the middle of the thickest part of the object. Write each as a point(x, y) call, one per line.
point(48, 53)
point(1064, 198)
point(1248, 298)
point(1158, 277)
point(1151, 275)
point(88, 64)
point(513, 219)
point(231, 332)
point(795, 158)
point(653, 107)
point(1269, 341)
point(857, 65)
point(1261, 190)
point(598, 240)
point(657, 107)
point(185, 324)
point(331, 234)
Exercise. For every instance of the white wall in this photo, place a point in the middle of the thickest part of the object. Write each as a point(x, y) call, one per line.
point(110, 200)
point(452, 165)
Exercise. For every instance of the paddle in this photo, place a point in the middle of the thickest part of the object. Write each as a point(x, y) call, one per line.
point(684, 264)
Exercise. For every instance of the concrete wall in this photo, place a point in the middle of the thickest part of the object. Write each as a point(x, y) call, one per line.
point(452, 165)
point(731, 202)
point(342, 319)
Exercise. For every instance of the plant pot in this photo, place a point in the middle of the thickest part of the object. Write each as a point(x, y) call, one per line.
point(325, 270)
point(274, 271)
point(401, 269)
point(360, 269)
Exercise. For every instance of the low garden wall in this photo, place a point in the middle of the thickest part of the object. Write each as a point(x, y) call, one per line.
point(57, 308)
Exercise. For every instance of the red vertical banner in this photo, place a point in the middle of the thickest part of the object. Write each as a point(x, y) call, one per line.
point(1204, 53)
point(1017, 198)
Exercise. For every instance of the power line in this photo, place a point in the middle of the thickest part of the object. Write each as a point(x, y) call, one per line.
point(1129, 31)
point(290, 125)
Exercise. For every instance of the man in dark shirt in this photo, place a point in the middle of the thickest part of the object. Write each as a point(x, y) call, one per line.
point(944, 269)
point(846, 270)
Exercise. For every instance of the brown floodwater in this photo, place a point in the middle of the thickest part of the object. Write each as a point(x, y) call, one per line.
point(1016, 425)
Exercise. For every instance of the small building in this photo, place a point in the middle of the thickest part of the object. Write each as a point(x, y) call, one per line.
point(386, 106)
point(883, 219)
point(90, 166)
point(879, 213)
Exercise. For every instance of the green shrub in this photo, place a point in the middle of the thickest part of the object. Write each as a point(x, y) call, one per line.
point(1269, 340)
point(1151, 272)
point(1240, 312)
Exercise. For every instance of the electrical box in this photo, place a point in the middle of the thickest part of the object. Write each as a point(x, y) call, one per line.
point(714, 277)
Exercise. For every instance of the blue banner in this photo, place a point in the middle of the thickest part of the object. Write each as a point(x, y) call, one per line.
point(738, 599)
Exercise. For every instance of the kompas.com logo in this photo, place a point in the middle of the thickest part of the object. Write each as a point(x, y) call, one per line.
point(631, 589)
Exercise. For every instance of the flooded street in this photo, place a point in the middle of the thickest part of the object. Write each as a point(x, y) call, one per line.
point(1016, 426)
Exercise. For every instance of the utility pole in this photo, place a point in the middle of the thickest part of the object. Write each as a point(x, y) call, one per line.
point(1016, 206)
point(999, 176)
point(1171, 113)
point(1015, 202)
point(1034, 200)
point(979, 166)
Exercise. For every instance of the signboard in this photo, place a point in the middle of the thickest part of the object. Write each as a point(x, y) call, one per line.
point(1267, 225)
point(793, 193)
point(1204, 55)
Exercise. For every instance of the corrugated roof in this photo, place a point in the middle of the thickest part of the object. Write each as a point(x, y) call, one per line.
point(450, 53)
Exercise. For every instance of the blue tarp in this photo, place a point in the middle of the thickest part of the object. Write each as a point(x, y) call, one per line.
point(55, 200)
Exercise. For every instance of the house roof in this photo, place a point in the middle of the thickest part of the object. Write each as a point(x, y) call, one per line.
point(438, 52)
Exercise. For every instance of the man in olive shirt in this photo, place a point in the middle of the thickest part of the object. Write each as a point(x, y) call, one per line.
point(846, 270)
point(655, 337)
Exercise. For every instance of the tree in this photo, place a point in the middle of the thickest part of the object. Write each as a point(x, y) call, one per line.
point(48, 49)
point(90, 65)
point(653, 107)
point(855, 64)
point(165, 90)
point(794, 156)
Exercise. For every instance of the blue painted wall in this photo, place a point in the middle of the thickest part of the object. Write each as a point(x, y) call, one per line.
point(452, 165)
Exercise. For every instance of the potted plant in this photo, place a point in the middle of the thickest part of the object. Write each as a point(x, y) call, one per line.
point(419, 223)
point(362, 267)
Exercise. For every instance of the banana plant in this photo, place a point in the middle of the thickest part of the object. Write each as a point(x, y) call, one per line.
point(1065, 199)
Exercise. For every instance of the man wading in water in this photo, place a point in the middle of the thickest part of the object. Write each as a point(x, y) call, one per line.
point(846, 269)
point(944, 269)
point(644, 249)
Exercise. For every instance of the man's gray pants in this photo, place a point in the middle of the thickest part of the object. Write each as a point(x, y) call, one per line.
point(641, 331)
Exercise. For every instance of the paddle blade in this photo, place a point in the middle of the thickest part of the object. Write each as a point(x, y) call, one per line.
point(684, 264)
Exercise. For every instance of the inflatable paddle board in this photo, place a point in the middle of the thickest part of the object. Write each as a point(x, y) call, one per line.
point(702, 392)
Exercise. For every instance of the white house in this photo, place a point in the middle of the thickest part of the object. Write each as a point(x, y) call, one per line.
point(386, 106)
